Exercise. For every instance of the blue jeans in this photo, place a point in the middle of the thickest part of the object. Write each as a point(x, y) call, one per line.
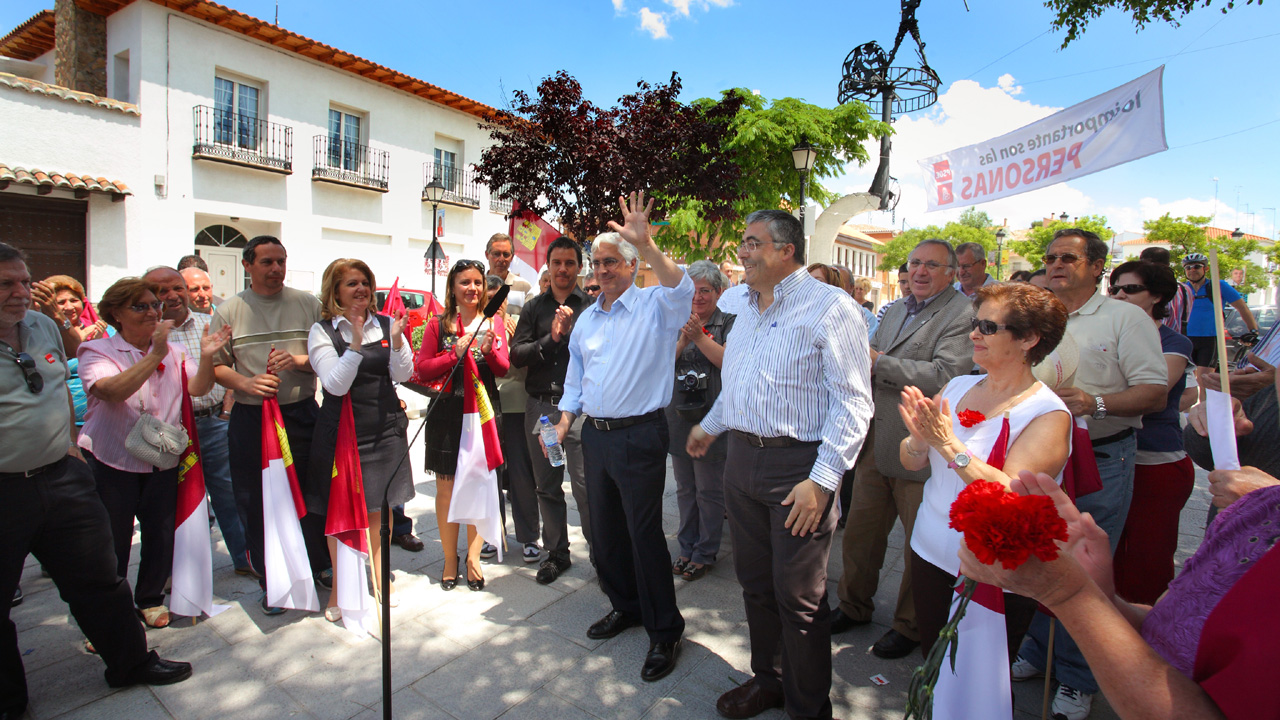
point(214, 457)
point(1109, 507)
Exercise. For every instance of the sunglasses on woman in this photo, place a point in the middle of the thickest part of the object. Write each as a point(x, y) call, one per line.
point(464, 264)
point(141, 308)
point(1128, 289)
point(987, 327)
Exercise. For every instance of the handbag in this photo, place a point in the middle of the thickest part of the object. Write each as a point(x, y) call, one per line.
point(154, 441)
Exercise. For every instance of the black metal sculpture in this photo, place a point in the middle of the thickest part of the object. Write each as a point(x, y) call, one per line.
point(870, 76)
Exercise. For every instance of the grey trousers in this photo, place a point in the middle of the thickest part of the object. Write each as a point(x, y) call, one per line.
point(549, 481)
point(783, 577)
point(700, 496)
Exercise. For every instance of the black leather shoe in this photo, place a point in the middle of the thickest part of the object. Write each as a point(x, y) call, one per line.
point(660, 661)
point(894, 645)
point(156, 671)
point(843, 623)
point(748, 700)
point(550, 569)
point(610, 625)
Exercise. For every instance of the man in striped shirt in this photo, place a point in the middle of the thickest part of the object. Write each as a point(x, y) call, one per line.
point(797, 403)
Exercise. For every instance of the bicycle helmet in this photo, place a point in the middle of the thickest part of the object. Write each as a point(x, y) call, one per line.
point(1195, 258)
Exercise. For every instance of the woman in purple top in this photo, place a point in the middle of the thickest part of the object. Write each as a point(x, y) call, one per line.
point(1163, 475)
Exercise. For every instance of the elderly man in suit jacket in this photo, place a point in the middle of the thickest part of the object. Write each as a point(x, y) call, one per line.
point(922, 341)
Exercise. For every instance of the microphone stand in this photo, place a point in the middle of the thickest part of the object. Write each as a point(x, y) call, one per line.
point(384, 531)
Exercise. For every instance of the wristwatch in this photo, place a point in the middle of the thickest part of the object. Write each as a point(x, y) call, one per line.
point(960, 462)
point(1101, 412)
point(66, 324)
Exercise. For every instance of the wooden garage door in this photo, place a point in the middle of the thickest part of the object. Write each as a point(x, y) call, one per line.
point(50, 231)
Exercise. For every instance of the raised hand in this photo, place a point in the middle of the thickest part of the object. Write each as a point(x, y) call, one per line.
point(357, 335)
point(692, 329)
point(211, 343)
point(398, 323)
point(460, 347)
point(160, 338)
point(931, 417)
point(635, 218)
point(562, 323)
point(42, 296)
point(486, 342)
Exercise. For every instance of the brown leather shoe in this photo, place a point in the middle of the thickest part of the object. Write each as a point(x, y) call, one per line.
point(748, 700)
point(408, 541)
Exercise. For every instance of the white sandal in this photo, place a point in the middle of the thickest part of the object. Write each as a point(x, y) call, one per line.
point(333, 614)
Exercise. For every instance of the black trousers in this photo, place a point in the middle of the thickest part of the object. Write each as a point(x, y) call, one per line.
point(152, 498)
point(518, 476)
point(933, 589)
point(58, 517)
point(626, 471)
point(244, 437)
point(783, 576)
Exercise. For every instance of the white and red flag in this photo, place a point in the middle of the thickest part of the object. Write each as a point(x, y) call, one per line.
point(348, 523)
point(979, 687)
point(192, 590)
point(475, 484)
point(289, 581)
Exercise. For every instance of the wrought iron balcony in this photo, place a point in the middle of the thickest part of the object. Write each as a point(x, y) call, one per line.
point(496, 205)
point(460, 185)
point(348, 163)
point(225, 136)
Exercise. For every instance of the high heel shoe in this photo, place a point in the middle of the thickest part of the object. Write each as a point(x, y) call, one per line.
point(450, 582)
point(475, 585)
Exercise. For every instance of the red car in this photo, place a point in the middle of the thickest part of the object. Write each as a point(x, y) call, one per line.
point(421, 306)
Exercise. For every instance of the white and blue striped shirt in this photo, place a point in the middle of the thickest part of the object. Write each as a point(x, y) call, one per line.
point(800, 369)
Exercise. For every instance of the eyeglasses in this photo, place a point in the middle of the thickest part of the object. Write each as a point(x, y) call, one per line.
point(753, 245)
point(143, 307)
point(1066, 258)
point(593, 288)
point(1193, 266)
point(966, 266)
point(606, 263)
point(987, 327)
point(1128, 289)
point(35, 381)
point(499, 254)
point(932, 265)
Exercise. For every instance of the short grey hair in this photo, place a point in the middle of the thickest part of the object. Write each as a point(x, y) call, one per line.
point(951, 251)
point(974, 249)
point(708, 272)
point(492, 282)
point(624, 248)
point(783, 228)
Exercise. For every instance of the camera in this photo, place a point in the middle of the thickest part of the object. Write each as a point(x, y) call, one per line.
point(692, 384)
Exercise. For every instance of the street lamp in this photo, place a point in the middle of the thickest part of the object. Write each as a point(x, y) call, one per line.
point(1237, 235)
point(433, 193)
point(803, 156)
point(999, 250)
point(1063, 217)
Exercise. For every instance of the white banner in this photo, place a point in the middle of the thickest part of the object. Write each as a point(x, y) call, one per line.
point(1115, 127)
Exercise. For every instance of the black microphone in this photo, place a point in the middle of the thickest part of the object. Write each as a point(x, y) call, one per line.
point(496, 301)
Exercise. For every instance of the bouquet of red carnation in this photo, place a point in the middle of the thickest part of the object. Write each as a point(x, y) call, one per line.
point(998, 525)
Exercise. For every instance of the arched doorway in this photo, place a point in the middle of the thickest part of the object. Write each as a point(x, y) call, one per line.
point(220, 247)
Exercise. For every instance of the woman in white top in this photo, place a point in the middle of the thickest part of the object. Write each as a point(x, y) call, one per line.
point(356, 352)
point(1016, 326)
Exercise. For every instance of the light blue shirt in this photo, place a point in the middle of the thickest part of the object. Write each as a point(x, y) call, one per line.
point(870, 319)
point(622, 362)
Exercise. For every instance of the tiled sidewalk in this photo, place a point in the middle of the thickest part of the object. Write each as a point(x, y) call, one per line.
point(515, 650)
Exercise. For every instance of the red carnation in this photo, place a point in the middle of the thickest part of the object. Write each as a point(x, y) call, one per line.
point(969, 418)
point(1002, 525)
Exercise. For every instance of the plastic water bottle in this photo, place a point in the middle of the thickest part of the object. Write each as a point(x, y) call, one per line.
point(551, 439)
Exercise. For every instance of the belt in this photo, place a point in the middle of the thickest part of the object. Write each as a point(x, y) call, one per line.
point(1112, 438)
point(619, 423)
point(31, 473)
point(770, 442)
point(549, 399)
point(208, 412)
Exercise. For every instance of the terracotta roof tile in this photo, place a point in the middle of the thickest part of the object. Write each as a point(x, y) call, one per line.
point(1216, 232)
point(31, 39)
point(40, 88)
point(68, 181)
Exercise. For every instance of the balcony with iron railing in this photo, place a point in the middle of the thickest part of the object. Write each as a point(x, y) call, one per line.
point(498, 205)
point(461, 187)
point(229, 137)
point(348, 163)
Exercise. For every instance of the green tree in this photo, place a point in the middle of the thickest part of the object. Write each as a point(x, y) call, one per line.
point(975, 218)
point(1074, 15)
point(897, 250)
point(759, 141)
point(1032, 249)
point(1186, 235)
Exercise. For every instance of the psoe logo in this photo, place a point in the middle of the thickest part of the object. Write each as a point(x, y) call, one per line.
point(942, 171)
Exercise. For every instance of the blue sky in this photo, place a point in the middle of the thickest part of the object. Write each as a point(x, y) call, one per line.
point(1220, 81)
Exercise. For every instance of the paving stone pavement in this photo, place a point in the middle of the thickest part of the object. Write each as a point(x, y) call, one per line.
point(515, 650)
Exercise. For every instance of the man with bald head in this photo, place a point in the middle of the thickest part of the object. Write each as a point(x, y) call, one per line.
point(199, 289)
point(211, 417)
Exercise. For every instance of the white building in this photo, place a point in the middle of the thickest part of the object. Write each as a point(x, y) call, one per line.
point(204, 127)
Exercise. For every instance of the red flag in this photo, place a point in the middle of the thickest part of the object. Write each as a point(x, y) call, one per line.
point(475, 484)
point(88, 316)
point(289, 581)
point(530, 238)
point(348, 522)
point(348, 518)
point(394, 303)
point(192, 589)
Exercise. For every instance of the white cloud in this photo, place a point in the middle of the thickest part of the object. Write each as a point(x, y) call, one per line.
point(653, 23)
point(680, 6)
point(1006, 83)
point(619, 6)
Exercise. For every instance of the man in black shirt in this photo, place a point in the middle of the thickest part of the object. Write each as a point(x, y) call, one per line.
point(541, 344)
